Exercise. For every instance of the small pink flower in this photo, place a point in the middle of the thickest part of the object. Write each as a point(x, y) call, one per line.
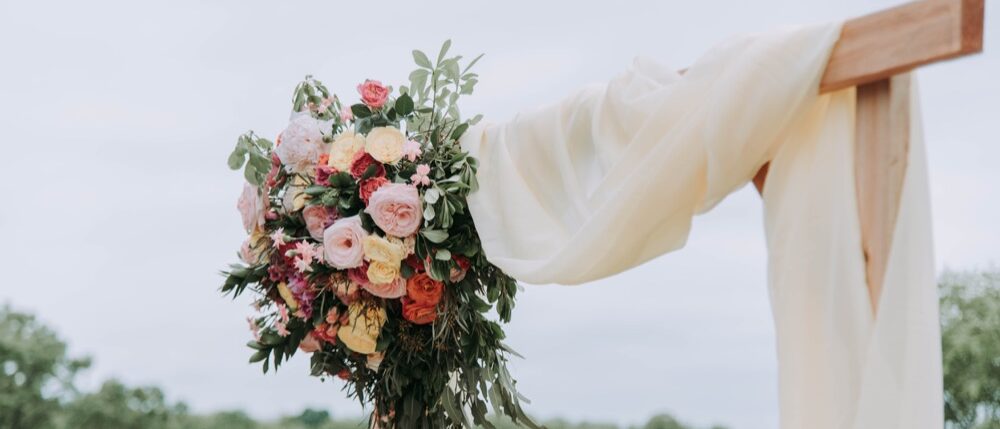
point(411, 150)
point(420, 178)
point(281, 328)
point(283, 313)
point(307, 251)
point(278, 237)
point(303, 265)
point(254, 328)
point(346, 114)
point(373, 93)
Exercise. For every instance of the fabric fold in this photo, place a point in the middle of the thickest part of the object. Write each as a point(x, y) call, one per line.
point(611, 177)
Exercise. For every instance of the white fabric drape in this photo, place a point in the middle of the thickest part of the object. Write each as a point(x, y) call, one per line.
point(610, 178)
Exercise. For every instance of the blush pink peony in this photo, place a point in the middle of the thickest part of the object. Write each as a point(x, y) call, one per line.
point(395, 207)
point(342, 243)
point(301, 144)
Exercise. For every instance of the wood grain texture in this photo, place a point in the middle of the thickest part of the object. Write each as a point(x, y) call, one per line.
point(897, 40)
point(878, 46)
point(882, 143)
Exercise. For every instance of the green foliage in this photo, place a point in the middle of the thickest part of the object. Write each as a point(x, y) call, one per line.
point(970, 335)
point(34, 371)
point(116, 406)
point(254, 152)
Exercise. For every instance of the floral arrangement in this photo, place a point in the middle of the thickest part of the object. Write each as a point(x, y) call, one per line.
point(362, 253)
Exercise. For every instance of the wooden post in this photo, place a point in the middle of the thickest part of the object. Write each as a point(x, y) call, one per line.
point(875, 53)
point(881, 146)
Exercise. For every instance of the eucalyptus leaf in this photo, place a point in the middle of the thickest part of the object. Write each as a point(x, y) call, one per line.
point(434, 235)
point(421, 59)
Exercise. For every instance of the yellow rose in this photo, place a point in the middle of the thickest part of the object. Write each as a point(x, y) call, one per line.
point(343, 149)
point(364, 325)
point(379, 249)
point(286, 294)
point(295, 199)
point(385, 144)
point(382, 273)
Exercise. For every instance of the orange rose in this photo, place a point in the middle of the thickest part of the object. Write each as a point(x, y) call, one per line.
point(424, 290)
point(418, 313)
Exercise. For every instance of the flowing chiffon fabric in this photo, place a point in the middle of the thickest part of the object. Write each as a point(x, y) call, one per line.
point(611, 177)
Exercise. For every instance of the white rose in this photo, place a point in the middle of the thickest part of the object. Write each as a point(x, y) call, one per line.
point(301, 144)
point(343, 149)
point(385, 144)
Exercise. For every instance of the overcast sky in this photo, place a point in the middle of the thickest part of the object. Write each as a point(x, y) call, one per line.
point(118, 209)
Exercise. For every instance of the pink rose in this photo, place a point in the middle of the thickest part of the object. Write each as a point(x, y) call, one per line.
point(373, 93)
point(251, 207)
point(391, 290)
point(342, 243)
point(395, 207)
point(318, 218)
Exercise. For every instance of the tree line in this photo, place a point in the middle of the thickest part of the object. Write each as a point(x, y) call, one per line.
point(37, 388)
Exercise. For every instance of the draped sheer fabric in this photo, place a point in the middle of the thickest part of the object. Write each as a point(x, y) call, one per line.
point(611, 177)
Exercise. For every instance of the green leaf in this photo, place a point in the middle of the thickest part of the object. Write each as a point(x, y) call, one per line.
point(444, 50)
point(361, 111)
point(404, 105)
point(434, 235)
point(451, 70)
point(259, 355)
point(459, 130)
point(472, 63)
point(443, 255)
point(250, 174)
point(421, 59)
point(429, 212)
point(418, 80)
point(237, 158)
point(432, 195)
point(315, 190)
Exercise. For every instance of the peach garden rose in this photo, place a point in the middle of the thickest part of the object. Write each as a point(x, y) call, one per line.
point(342, 243)
point(396, 209)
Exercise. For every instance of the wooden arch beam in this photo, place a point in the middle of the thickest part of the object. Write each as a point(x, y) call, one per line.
point(875, 53)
